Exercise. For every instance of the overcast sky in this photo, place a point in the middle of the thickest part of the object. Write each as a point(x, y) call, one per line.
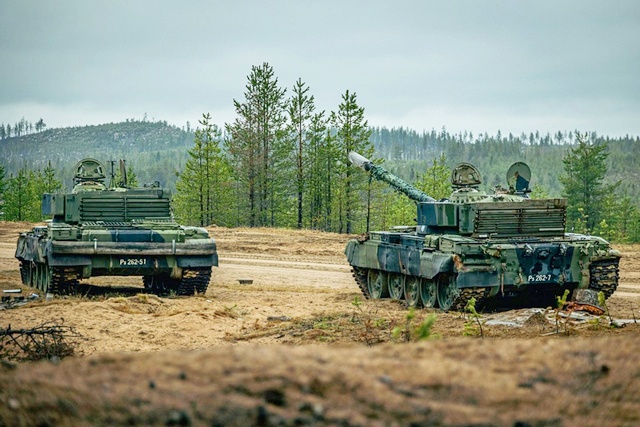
point(481, 66)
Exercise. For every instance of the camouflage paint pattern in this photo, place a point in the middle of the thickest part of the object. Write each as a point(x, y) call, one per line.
point(97, 231)
point(481, 246)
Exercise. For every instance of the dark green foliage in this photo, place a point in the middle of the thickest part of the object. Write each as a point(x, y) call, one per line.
point(436, 180)
point(585, 169)
point(352, 134)
point(3, 186)
point(260, 152)
point(21, 200)
point(301, 109)
point(23, 196)
point(50, 184)
point(204, 187)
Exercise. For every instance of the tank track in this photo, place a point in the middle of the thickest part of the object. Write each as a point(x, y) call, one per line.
point(604, 276)
point(360, 275)
point(194, 280)
point(63, 280)
point(465, 295)
point(24, 273)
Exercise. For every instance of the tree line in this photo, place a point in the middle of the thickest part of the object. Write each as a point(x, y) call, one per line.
point(21, 194)
point(21, 127)
point(283, 163)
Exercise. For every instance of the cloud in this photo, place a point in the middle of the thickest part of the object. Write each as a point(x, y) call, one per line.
point(463, 64)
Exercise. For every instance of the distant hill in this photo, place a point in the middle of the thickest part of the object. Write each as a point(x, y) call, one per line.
point(155, 150)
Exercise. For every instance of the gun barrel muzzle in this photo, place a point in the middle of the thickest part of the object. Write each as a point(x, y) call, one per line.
point(358, 160)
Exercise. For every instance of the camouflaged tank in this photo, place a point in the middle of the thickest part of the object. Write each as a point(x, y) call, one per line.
point(118, 231)
point(500, 248)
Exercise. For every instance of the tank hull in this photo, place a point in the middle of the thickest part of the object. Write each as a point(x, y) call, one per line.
point(170, 258)
point(447, 270)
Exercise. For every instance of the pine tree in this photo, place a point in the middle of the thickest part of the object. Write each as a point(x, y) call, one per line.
point(321, 160)
point(3, 186)
point(132, 178)
point(436, 181)
point(301, 108)
point(352, 134)
point(585, 169)
point(204, 186)
point(50, 184)
point(256, 143)
point(23, 195)
point(19, 196)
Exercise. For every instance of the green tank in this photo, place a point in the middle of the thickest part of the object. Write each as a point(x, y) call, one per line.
point(114, 231)
point(503, 248)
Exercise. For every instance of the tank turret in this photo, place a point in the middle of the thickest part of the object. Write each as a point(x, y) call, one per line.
point(470, 211)
point(472, 244)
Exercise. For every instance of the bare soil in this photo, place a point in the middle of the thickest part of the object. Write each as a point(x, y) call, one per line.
point(300, 346)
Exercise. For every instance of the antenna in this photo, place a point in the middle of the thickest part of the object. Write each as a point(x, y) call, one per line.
point(113, 173)
point(123, 174)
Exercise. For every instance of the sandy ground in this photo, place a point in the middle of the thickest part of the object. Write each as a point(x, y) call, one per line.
point(292, 348)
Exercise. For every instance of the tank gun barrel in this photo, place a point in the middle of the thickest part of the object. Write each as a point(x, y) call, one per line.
point(381, 174)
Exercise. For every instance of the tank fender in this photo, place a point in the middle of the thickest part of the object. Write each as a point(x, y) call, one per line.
point(198, 261)
point(363, 254)
point(351, 250)
point(21, 248)
point(29, 248)
point(432, 264)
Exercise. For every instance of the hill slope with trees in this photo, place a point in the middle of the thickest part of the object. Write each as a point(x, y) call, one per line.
point(155, 150)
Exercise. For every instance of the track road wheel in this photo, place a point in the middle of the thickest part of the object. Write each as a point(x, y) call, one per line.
point(377, 284)
point(396, 286)
point(412, 285)
point(428, 293)
point(447, 291)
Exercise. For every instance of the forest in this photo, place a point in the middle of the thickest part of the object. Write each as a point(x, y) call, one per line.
point(283, 163)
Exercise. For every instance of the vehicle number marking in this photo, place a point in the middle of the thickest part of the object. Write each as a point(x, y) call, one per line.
point(133, 262)
point(539, 278)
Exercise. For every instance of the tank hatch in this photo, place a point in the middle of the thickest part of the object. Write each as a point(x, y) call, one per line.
point(89, 175)
point(89, 170)
point(518, 177)
point(465, 175)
